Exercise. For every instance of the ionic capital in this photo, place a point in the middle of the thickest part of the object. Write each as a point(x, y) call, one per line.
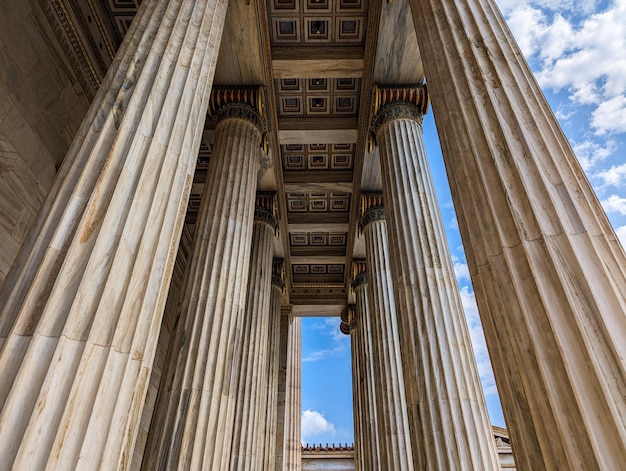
point(372, 209)
point(359, 273)
point(392, 103)
point(266, 209)
point(278, 273)
point(247, 103)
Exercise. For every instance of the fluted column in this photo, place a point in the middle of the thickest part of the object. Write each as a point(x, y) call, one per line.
point(392, 420)
point(249, 427)
point(548, 271)
point(293, 402)
point(199, 409)
point(270, 407)
point(281, 395)
point(348, 324)
point(85, 298)
point(447, 413)
point(361, 333)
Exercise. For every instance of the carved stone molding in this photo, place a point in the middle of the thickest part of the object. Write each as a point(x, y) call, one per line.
point(398, 103)
point(278, 273)
point(266, 209)
point(372, 209)
point(239, 103)
point(359, 273)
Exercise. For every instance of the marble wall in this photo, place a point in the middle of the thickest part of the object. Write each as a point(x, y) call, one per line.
point(41, 107)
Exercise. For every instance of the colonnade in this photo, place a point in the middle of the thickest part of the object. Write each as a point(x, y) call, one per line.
point(81, 310)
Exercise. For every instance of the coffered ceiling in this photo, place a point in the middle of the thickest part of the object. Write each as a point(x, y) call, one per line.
point(317, 60)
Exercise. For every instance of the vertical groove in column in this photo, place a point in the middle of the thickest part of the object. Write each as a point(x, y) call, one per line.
point(199, 412)
point(249, 429)
point(547, 269)
point(448, 417)
point(270, 404)
point(293, 405)
point(392, 427)
point(281, 410)
point(366, 356)
point(98, 279)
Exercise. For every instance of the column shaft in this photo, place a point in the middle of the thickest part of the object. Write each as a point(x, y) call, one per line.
point(293, 405)
point(273, 371)
point(358, 411)
point(447, 414)
point(391, 408)
point(281, 395)
point(366, 356)
point(547, 269)
point(249, 427)
point(86, 296)
point(199, 410)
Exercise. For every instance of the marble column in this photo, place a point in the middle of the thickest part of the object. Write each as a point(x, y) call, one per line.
point(249, 427)
point(197, 414)
point(548, 271)
point(85, 298)
point(392, 420)
point(364, 355)
point(270, 407)
point(293, 404)
point(447, 414)
point(281, 395)
point(348, 324)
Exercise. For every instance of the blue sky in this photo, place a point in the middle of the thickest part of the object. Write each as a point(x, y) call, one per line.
point(577, 49)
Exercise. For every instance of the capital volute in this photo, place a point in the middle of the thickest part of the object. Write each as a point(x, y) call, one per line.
point(393, 103)
point(278, 273)
point(246, 103)
point(371, 210)
point(266, 209)
point(348, 319)
point(359, 273)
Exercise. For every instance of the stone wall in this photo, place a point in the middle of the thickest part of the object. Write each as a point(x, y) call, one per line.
point(41, 107)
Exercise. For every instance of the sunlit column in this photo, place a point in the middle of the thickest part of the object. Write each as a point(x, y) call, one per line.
point(293, 402)
point(81, 310)
point(391, 408)
point(361, 333)
point(270, 409)
point(548, 271)
point(447, 414)
point(252, 370)
point(200, 407)
point(281, 395)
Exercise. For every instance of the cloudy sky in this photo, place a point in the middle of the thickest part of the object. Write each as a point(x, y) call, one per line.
point(577, 49)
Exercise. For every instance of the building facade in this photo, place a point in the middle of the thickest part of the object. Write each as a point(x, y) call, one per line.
point(181, 181)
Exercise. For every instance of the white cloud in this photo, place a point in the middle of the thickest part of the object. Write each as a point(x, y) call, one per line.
point(478, 341)
point(590, 153)
point(610, 116)
point(314, 424)
point(615, 176)
point(340, 343)
point(615, 204)
point(461, 271)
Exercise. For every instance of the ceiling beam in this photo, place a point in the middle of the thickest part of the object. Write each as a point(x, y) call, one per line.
point(314, 68)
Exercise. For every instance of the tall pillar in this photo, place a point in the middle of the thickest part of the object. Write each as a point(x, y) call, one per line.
point(85, 298)
point(347, 326)
point(270, 407)
point(281, 395)
point(199, 410)
point(293, 404)
point(249, 427)
point(547, 269)
point(363, 373)
point(392, 420)
point(447, 413)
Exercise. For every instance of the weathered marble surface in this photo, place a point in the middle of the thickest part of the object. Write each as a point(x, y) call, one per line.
point(392, 424)
point(548, 271)
point(40, 111)
point(447, 414)
point(293, 400)
point(253, 378)
point(367, 446)
point(85, 301)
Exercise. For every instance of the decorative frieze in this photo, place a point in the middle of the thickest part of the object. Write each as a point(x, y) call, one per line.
point(266, 209)
point(247, 103)
point(371, 210)
point(359, 273)
point(390, 103)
